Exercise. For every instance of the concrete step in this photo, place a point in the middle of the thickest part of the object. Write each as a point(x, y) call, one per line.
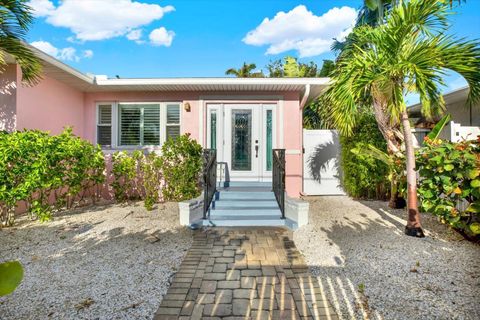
point(246, 195)
point(246, 222)
point(247, 212)
point(249, 184)
point(254, 204)
point(246, 189)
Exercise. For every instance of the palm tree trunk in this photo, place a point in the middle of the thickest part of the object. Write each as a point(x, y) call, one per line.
point(413, 227)
point(393, 144)
point(386, 128)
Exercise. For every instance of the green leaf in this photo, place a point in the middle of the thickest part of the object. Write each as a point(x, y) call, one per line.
point(475, 228)
point(472, 174)
point(474, 207)
point(448, 167)
point(475, 183)
point(371, 4)
point(427, 194)
point(438, 127)
point(11, 274)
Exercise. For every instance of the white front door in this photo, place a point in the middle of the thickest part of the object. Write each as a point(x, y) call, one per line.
point(244, 135)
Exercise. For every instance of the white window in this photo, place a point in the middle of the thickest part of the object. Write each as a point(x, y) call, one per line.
point(173, 121)
point(104, 124)
point(137, 124)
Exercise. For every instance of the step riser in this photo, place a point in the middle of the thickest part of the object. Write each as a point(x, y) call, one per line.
point(248, 184)
point(240, 212)
point(246, 223)
point(238, 196)
point(245, 216)
point(245, 204)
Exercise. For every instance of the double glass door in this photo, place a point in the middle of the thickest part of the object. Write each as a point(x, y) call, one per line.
point(244, 135)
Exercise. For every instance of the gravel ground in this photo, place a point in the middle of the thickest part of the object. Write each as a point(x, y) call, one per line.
point(105, 262)
point(370, 270)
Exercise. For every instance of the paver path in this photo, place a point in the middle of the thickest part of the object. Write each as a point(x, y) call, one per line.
point(244, 273)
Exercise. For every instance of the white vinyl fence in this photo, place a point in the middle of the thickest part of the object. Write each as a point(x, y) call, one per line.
point(459, 132)
point(321, 163)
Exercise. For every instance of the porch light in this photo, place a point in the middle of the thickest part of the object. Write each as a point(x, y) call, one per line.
point(187, 107)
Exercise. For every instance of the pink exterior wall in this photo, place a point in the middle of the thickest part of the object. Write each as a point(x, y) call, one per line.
point(292, 122)
point(50, 105)
point(293, 144)
point(8, 98)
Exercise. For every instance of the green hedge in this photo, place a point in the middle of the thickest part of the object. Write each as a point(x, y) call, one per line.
point(449, 185)
point(364, 177)
point(51, 173)
point(47, 172)
point(172, 176)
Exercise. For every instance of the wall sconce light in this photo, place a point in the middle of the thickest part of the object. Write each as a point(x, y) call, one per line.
point(187, 107)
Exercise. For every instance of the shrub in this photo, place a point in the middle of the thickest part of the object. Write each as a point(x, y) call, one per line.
point(151, 169)
point(449, 186)
point(125, 171)
point(181, 167)
point(36, 167)
point(364, 176)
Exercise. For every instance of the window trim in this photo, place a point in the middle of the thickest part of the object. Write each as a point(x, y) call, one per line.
point(115, 126)
point(97, 122)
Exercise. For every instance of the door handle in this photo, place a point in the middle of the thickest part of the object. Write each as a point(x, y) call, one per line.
point(256, 151)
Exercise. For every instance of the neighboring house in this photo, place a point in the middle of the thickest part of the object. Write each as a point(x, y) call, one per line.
point(465, 118)
point(242, 118)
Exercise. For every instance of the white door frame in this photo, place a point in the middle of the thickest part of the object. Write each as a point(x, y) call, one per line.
point(223, 113)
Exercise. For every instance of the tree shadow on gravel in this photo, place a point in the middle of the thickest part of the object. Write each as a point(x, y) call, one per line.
point(368, 268)
point(86, 269)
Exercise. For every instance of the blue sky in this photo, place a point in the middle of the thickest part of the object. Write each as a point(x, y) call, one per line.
point(146, 38)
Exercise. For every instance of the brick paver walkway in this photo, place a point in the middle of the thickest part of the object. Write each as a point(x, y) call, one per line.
point(240, 273)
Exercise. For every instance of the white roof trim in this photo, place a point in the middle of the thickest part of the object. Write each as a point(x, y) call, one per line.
point(57, 63)
point(211, 81)
point(87, 83)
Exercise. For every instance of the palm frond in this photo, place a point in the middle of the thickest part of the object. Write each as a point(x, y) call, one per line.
point(26, 59)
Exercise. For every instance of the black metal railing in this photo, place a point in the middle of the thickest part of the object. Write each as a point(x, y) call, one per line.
point(278, 178)
point(209, 178)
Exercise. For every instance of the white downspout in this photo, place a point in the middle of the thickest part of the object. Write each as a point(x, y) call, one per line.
point(303, 102)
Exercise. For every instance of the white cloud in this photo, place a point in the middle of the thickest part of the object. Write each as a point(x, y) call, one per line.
point(301, 30)
point(135, 35)
point(99, 20)
point(87, 54)
point(161, 37)
point(41, 8)
point(66, 54)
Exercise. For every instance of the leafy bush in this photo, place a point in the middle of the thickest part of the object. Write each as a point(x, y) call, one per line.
point(125, 171)
point(363, 175)
point(449, 185)
point(151, 169)
point(38, 168)
point(181, 166)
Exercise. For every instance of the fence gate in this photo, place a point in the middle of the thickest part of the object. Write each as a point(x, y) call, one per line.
point(321, 163)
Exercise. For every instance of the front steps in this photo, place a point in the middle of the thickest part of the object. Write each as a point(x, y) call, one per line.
point(244, 204)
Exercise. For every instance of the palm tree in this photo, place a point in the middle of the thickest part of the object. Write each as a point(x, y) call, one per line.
point(381, 65)
point(15, 19)
point(245, 71)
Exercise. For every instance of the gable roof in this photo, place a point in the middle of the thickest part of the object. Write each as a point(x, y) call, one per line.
point(460, 94)
point(62, 72)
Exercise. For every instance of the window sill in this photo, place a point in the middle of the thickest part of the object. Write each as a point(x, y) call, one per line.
point(148, 149)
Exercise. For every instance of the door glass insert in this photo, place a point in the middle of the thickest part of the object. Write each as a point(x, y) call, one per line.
point(213, 130)
point(269, 140)
point(242, 140)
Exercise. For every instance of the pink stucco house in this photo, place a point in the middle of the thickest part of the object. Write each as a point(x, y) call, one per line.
point(242, 118)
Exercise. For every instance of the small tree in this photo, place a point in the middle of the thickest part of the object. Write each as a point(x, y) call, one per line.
point(381, 65)
point(245, 71)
